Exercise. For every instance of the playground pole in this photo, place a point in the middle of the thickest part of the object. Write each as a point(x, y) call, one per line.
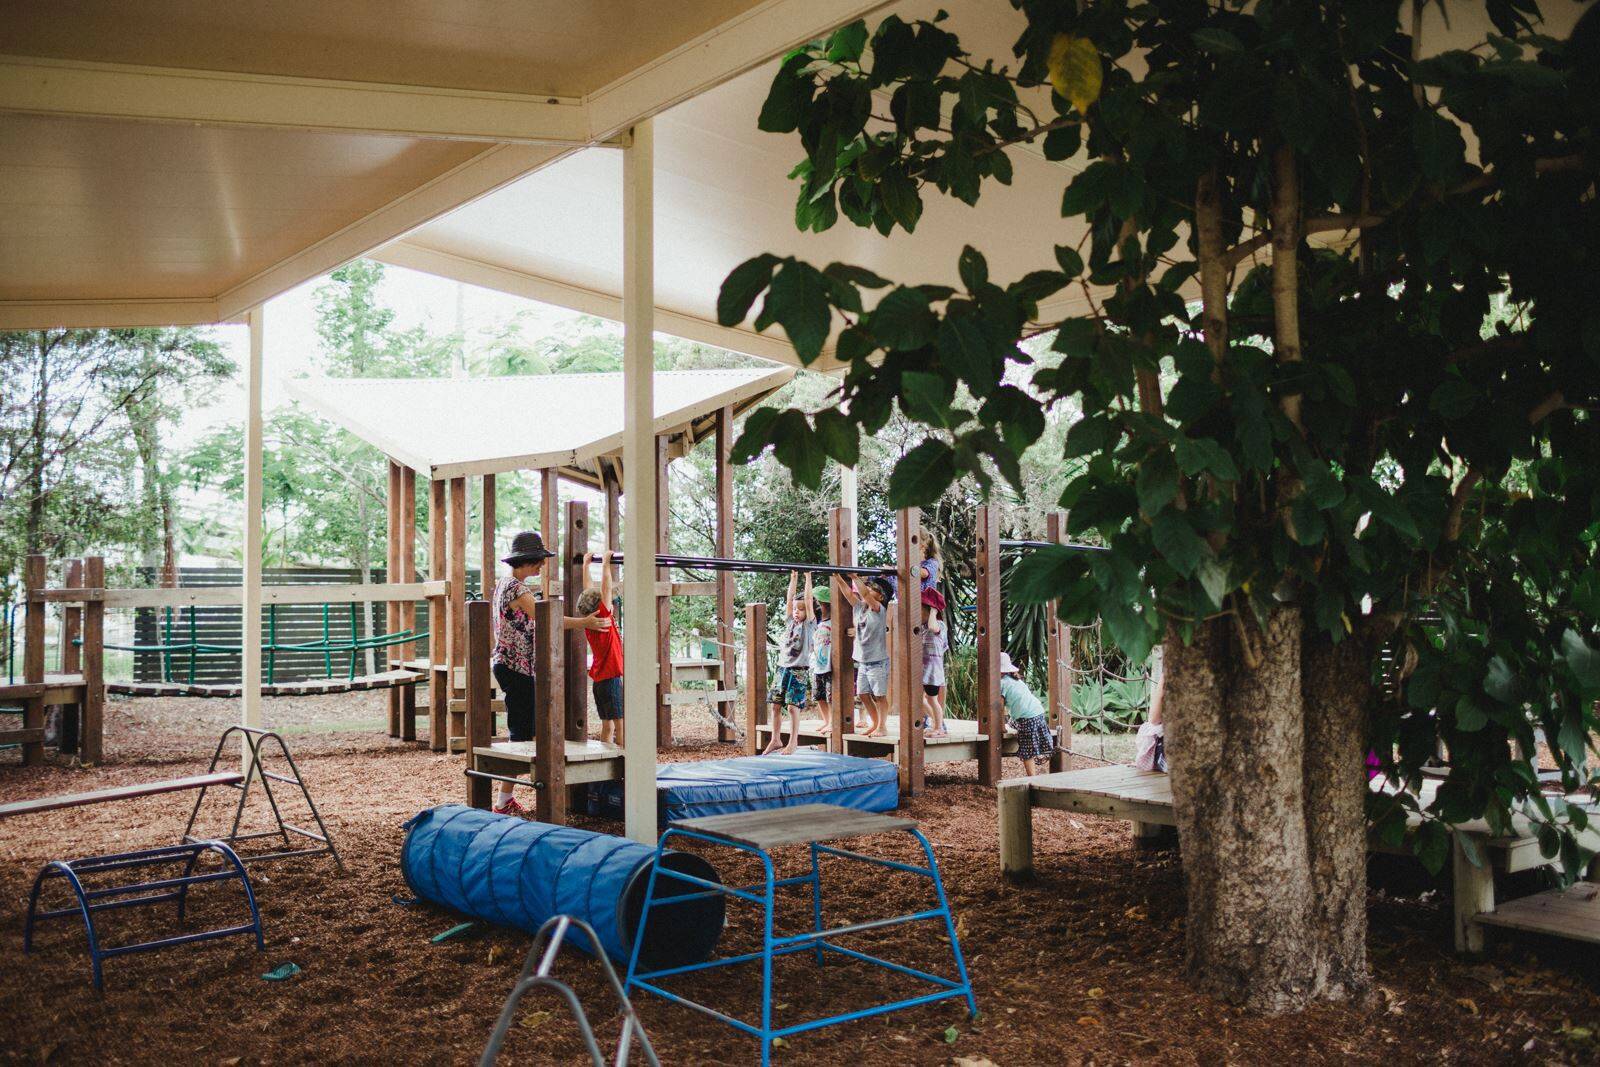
point(639, 478)
point(250, 637)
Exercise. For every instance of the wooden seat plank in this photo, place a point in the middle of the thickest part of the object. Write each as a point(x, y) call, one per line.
point(802, 824)
point(121, 792)
point(1572, 913)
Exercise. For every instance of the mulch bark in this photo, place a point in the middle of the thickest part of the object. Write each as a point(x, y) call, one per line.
point(1083, 965)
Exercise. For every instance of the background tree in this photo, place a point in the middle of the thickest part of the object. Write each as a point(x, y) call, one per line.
point(1345, 457)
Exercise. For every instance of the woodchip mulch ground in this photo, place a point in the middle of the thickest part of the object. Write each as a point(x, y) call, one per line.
point(1085, 965)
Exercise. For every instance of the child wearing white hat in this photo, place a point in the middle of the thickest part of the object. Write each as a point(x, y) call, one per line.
point(1026, 713)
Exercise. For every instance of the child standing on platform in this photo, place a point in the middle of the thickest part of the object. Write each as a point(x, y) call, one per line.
point(794, 667)
point(822, 655)
point(605, 650)
point(1034, 742)
point(935, 643)
point(870, 600)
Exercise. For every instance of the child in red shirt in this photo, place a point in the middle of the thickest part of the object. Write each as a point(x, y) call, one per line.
point(605, 647)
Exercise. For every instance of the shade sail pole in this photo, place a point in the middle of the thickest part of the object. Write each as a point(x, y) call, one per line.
point(638, 483)
point(850, 503)
point(250, 635)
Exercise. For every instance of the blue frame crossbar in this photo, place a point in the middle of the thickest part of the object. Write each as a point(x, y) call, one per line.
point(135, 894)
point(816, 940)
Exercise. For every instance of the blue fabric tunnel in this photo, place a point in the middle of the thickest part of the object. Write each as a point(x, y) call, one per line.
point(514, 872)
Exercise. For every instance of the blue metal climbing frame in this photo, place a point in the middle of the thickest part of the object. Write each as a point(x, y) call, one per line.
point(93, 898)
point(818, 940)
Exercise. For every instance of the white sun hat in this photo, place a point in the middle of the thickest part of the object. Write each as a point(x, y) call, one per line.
point(1006, 666)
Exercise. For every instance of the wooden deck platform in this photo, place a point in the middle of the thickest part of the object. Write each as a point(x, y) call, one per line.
point(1572, 913)
point(1144, 798)
point(55, 689)
point(586, 761)
point(962, 744)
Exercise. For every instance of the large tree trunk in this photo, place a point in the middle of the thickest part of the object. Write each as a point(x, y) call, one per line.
point(1336, 685)
point(1266, 781)
point(1237, 750)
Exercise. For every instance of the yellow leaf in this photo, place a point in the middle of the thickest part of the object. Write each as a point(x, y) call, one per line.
point(1088, 1020)
point(1469, 1004)
point(1096, 993)
point(535, 1019)
point(1075, 70)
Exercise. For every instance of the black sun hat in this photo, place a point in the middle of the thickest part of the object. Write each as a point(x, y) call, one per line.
point(527, 547)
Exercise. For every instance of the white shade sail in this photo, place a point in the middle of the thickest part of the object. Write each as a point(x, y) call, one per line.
point(453, 427)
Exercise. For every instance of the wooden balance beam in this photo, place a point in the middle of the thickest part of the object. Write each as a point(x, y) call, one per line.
point(1144, 798)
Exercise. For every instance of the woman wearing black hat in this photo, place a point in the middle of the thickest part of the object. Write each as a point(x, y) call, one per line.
point(513, 657)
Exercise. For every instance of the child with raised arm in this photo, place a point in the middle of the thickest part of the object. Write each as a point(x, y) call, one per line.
point(870, 600)
point(605, 650)
point(822, 655)
point(794, 667)
point(935, 643)
point(1034, 743)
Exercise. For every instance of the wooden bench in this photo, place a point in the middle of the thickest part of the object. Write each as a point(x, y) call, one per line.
point(1144, 798)
point(962, 744)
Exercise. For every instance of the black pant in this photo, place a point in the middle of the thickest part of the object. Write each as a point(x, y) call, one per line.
point(518, 690)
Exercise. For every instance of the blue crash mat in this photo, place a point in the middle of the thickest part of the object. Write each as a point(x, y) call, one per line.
point(752, 783)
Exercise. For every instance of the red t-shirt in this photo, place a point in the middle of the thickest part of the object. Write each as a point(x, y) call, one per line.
point(606, 646)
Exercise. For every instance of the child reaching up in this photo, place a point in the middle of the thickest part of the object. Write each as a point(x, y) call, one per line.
point(870, 598)
point(822, 655)
point(794, 667)
point(935, 643)
point(1034, 743)
point(605, 647)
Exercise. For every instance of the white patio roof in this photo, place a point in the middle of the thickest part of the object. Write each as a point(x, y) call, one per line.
point(181, 161)
point(455, 427)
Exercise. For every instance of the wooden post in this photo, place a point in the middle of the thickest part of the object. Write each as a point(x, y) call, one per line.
point(71, 659)
point(1472, 895)
point(1015, 806)
point(486, 538)
point(406, 652)
point(906, 655)
point(638, 472)
point(549, 732)
point(90, 735)
point(35, 580)
point(1058, 676)
point(457, 553)
point(576, 653)
point(549, 517)
point(986, 566)
point(841, 553)
point(755, 673)
point(480, 714)
point(438, 619)
point(725, 582)
point(663, 603)
point(391, 572)
point(613, 505)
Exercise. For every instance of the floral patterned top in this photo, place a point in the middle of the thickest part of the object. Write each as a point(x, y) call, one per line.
point(513, 627)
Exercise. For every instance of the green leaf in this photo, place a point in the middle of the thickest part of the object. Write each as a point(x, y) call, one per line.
point(1218, 42)
point(922, 475)
point(964, 349)
point(1454, 398)
point(799, 448)
point(853, 275)
point(848, 42)
point(1582, 659)
point(1063, 142)
point(756, 436)
point(1176, 540)
point(1440, 148)
point(973, 268)
point(838, 436)
point(1323, 488)
point(1069, 259)
point(741, 287)
point(902, 320)
point(788, 98)
point(900, 198)
point(926, 398)
point(1470, 718)
point(950, 1035)
point(1500, 683)
point(798, 301)
point(1432, 845)
point(1213, 578)
point(1156, 482)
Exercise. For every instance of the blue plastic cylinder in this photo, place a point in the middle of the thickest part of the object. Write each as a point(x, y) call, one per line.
point(514, 872)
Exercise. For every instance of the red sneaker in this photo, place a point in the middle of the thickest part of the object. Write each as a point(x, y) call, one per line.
point(511, 807)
